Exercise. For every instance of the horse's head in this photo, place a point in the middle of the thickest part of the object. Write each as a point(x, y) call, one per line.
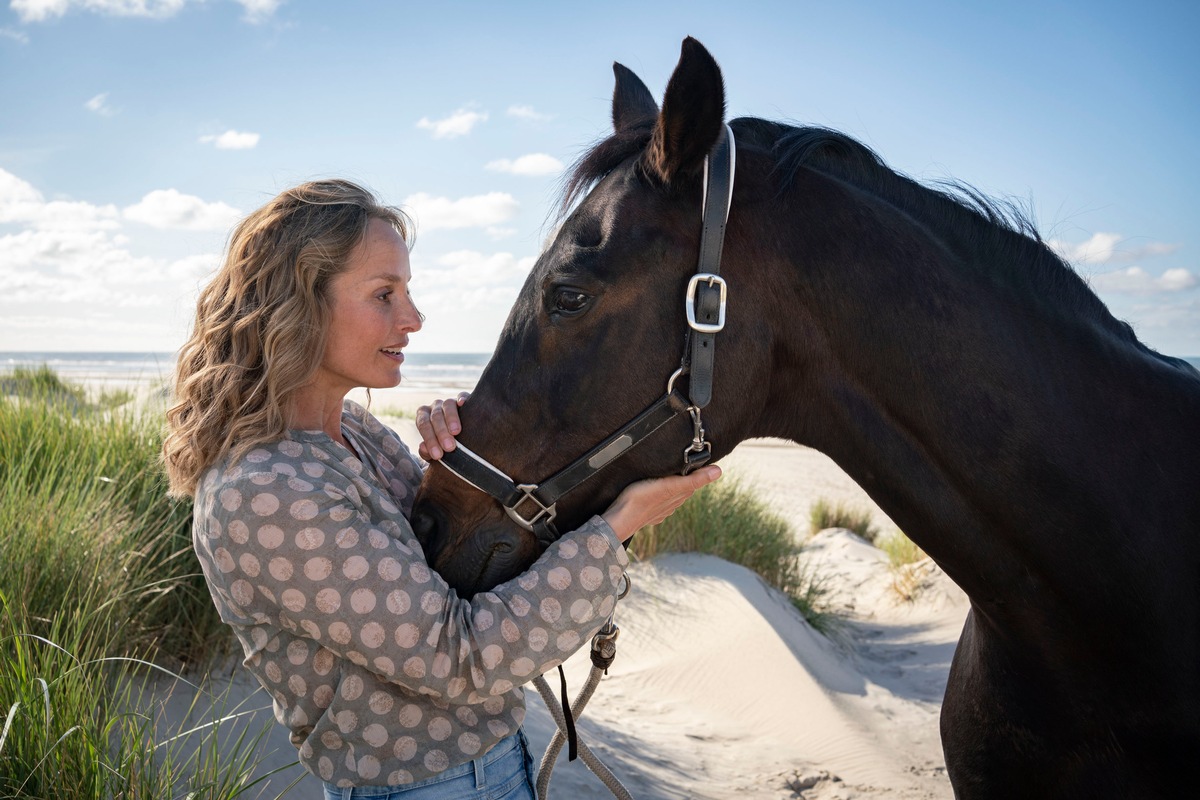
point(600, 326)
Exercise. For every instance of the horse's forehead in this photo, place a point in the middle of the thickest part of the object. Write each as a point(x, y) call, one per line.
point(621, 188)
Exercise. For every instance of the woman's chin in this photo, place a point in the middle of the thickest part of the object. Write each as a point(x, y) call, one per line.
point(385, 384)
point(383, 380)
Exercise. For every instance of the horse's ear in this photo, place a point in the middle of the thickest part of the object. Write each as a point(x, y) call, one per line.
point(693, 112)
point(632, 102)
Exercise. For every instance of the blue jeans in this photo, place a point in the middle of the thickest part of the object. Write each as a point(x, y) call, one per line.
point(505, 772)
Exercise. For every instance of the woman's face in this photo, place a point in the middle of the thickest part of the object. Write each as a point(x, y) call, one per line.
point(373, 314)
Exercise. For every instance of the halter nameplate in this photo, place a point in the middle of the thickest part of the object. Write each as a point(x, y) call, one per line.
point(607, 454)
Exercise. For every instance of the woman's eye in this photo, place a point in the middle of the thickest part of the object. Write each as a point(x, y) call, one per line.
point(384, 296)
point(570, 301)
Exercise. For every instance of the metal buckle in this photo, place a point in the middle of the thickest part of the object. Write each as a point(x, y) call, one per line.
point(698, 453)
point(690, 303)
point(549, 512)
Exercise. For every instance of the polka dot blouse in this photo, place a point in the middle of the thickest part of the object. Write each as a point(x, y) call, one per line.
point(381, 672)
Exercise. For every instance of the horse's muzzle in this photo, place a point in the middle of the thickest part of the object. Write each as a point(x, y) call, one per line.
point(484, 557)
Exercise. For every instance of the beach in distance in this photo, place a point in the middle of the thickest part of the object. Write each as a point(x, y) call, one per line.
point(721, 689)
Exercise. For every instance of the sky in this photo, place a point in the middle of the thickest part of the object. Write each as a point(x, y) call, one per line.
point(135, 133)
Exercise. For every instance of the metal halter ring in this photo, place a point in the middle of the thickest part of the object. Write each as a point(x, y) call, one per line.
point(544, 511)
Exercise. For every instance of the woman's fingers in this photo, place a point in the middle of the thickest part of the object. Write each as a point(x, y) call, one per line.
point(677, 489)
point(438, 424)
point(651, 501)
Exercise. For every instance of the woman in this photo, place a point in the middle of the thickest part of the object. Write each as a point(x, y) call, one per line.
point(384, 676)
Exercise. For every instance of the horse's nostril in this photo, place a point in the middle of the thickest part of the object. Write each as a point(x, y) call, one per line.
point(503, 547)
point(426, 525)
point(423, 525)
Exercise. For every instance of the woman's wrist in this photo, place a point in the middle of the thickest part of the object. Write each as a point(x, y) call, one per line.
point(617, 517)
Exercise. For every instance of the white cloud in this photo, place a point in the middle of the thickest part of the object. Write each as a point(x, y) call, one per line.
point(1179, 313)
point(476, 211)
point(259, 10)
point(194, 268)
point(15, 190)
point(1135, 280)
point(467, 267)
point(169, 208)
point(532, 164)
point(39, 10)
point(232, 140)
point(457, 124)
point(21, 203)
point(70, 260)
point(1102, 248)
point(71, 215)
point(466, 296)
point(64, 266)
point(38, 330)
point(99, 105)
point(17, 36)
point(528, 112)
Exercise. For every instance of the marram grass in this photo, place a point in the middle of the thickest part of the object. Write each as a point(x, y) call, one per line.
point(726, 520)
point(824, 515)
point(904, 562)
point(99, 589)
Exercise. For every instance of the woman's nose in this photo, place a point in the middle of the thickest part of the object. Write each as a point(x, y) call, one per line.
point(410, 319)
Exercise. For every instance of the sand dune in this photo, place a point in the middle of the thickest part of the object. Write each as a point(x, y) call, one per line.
point(721, 690)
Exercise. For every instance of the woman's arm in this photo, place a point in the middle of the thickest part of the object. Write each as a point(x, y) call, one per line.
point(301, 552)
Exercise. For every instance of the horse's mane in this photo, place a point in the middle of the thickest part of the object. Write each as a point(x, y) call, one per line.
point(995, 232)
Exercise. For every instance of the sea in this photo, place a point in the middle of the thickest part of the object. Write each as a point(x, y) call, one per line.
point(420, 370)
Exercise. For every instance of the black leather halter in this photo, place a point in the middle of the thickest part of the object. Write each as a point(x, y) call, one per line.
point(532, 506)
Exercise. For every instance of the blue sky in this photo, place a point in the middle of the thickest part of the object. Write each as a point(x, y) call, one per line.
point(133, 133)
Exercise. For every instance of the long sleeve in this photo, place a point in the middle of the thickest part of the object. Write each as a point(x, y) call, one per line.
point(383, 675)
point(301, 551)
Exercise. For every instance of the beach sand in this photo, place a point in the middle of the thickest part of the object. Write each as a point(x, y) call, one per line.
point(720, 689)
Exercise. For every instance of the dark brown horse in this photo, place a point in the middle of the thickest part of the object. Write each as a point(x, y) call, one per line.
point(943, 356)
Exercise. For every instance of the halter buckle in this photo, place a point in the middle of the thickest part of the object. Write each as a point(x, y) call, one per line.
point(543, 511)
point(690, 302)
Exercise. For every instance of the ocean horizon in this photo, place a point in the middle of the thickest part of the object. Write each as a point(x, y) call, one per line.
point(420, 370)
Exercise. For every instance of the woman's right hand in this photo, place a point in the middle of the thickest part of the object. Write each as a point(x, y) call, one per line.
point(651, 501)
point(438, 424)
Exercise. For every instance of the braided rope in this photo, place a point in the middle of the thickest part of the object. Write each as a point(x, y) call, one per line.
point(546, 769)
point(604, 650)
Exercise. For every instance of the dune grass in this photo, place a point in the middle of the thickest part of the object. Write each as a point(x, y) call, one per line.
point(728, 521)
point(394, 411)
point(904, 556)
point(98, 585)
point(824, 515)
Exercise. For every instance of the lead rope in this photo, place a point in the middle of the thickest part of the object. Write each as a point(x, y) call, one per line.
point(604, 650)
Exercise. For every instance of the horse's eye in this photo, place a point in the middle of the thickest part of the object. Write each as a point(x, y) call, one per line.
point(568, 300)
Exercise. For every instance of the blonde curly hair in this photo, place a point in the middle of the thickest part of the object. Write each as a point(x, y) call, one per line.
point(261, 324)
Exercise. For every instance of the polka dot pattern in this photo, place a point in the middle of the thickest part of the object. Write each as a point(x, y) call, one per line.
point(383, 675)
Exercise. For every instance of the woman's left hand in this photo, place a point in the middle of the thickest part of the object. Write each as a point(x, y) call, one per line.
point(438, 424)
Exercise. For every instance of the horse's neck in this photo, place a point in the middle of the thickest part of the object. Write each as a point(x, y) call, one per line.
point(998, 435)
